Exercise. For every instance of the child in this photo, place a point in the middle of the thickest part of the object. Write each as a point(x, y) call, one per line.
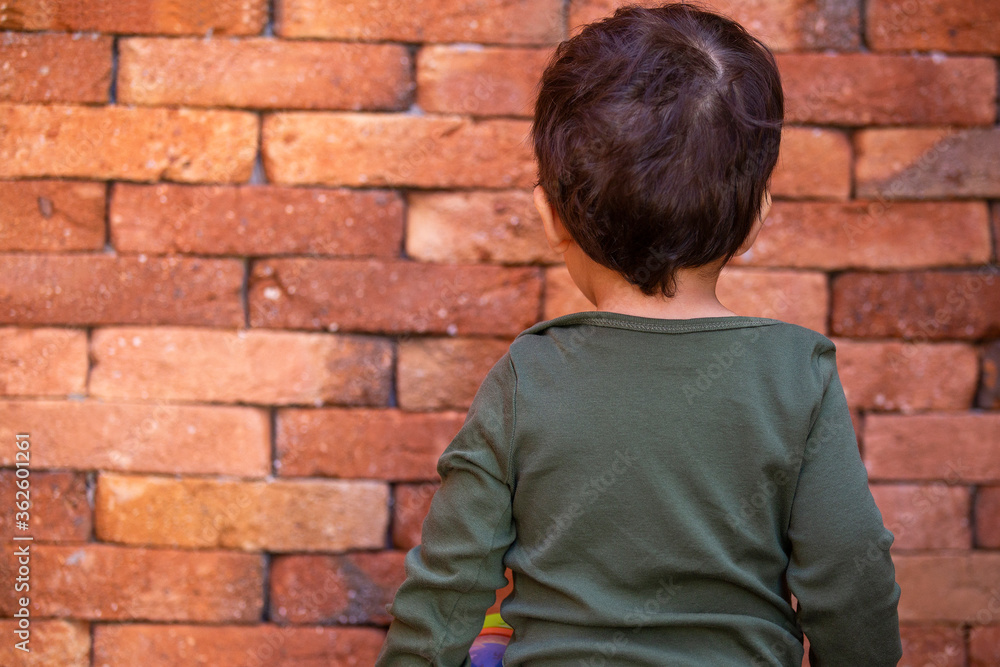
point(659, 475)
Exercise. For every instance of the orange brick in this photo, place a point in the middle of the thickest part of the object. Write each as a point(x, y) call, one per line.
point(299, 515)
point(989, 388)
point(59, 510)
point(481, 81)
point(396, 149)
point(929, 163)
point(436, 373)
point(197, 17)
point(961, 26)
point(501, 227)
point(960, 588)
point(52, 642)
point(954, 448)
point(907, 376)
point(255, 220)
point(799, 297)
point(932, 645)
point(127, 143)
point(487, 21)
point(925, 516)
point(263, 73)
point(867, 89)
point(42, 362)
point(55, 68)
point(984, 645)
point(373, 444)
point(51, 215)
point(349, 588)
point(411, 503)
point(112, 583)
point(118, 645)
point(813, 164)
point(921, 306)
point(398, 296)
point(995, 216)
point(109, 289)
point(92, 435)
point(871, 234)
point(783, 26)
point(270, 367)
point(562, 296)
point(988, 517)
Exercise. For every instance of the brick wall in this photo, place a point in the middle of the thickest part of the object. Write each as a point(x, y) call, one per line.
point(255, 259)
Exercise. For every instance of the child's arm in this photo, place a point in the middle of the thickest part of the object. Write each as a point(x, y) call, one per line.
point(453, 575)
point(840, 569)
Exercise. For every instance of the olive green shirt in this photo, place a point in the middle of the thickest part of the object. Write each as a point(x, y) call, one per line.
point(657, 488)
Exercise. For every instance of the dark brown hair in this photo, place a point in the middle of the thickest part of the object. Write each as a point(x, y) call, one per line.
point(656, 132)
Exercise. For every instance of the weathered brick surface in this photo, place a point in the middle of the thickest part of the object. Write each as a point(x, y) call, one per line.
point(411, 502)
point(196, 17)
point(59, 508)
point(55, 68)
point(52, 642)
point(436, 373)
point(949, 588)
point(344, 589)
point(984, 645)
point(140, 437)
point(988, 517)
point(989, 388)
point(263, 73)
point(489, 21)
point(300, 515)
point(948, 447)
point(169, 645)
point(381, 296)
point(42, 362)
point(921, 306)
point(255, 220)
point(958, 26)
point(126, 289)
point(925, 516)
point(51, 215)
point(813, 163)
point(396, 149)
point(270, 367)
point(496, 227)
point(937, 645)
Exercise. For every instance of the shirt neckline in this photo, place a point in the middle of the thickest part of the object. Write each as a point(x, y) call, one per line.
point(654, 324)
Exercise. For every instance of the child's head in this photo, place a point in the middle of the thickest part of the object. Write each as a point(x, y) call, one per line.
point(656, 132)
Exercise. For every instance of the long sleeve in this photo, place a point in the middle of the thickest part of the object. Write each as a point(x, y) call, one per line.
point(453, 575)
point(840, 569)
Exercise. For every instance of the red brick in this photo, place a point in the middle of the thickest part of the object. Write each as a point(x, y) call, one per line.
point(52, 642)
point(501, 227)
point(868, 89)
point(110, 289)
point(487, 21)
point(299, 515)
point(411, 503)
point(984, 646)
point(269, 367)
point(51, 215)
point(960, 588)
point(59, 510)
point(481, 81)
point(112, 583)
point(396, 149)
point(349, 588)
point(255, 220)
point(989, 388)
point(813, 164)
point(117, 645)
point(126, 143)
point(962, 26)
point(263, 73)
point(922, 306)
point(398, 296)
point(930, 163)
point(871, 234)
point(55, 68)
point(995, 216)
point(562, 296)
point(932, 646)
point(783, 26)
point(42, 362)
point(988, 517)
point(907, 376)
point(371, 444)
point(954, 448)
point(93, 435)
point(197, 17)
point(436, 373)
point(925, 516)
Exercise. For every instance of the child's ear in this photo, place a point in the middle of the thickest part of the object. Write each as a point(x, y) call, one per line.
point(555, 232)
